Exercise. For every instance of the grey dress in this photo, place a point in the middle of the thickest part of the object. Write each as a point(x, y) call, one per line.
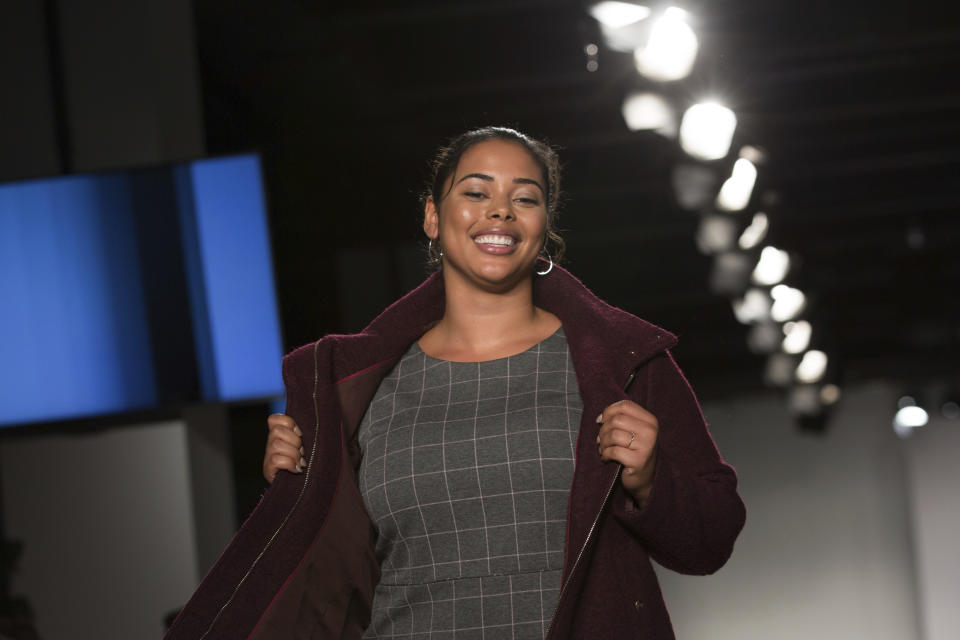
point(466, 474)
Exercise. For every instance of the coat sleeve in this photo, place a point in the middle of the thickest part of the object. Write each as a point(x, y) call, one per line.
point(694, 514)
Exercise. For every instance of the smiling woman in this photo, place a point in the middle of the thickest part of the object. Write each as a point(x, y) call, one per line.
point(498, 454)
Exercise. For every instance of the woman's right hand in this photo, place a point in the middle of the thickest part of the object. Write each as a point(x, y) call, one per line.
point(284, 447)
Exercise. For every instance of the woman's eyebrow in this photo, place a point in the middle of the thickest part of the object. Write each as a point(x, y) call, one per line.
point(487, 178)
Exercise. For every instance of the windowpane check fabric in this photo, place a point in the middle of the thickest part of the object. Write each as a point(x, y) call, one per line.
point(466, 474)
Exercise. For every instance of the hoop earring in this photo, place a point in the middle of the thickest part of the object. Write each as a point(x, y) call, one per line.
point(430, 249)
point(548, 269)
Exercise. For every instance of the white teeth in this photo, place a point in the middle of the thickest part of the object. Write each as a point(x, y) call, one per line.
point(492, 239)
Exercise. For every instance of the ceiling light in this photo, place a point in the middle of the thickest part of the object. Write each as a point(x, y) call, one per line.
point(779, 371)
point(736, 190)
point(671, 49)
point(788, 303)
point(649, 112)
point(618, 14)
point(772, 267)
point(706, 130)
point(812, 367)
point(752, 307)
point(730, 274)
point(755, 232)
point(693, 185)
point(716, 233)
point(797, 336)
point(764, 337)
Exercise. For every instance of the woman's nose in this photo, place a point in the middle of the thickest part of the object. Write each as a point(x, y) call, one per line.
point(501, 210)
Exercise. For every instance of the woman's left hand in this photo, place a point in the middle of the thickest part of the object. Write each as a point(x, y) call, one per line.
point(628, 435)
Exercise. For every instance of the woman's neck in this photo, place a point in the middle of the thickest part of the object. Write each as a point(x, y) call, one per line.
point(481, 325)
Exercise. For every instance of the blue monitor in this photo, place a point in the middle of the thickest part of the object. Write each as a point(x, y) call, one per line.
point(134, 290)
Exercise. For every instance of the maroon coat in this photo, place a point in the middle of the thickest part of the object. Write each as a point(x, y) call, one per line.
point(303, 564)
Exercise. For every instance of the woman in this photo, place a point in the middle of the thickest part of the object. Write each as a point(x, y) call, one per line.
point(498, 454)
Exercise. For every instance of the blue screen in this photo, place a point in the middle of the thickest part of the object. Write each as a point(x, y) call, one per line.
point(81, 327)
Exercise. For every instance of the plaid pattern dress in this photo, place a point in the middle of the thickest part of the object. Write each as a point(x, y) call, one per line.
point(466, 474)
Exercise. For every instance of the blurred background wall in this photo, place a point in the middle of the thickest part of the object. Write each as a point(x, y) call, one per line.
point(850, 528)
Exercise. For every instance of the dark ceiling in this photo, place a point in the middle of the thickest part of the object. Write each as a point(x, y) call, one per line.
point(856, 104)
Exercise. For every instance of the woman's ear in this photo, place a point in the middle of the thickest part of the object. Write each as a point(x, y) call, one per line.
point(431, 218)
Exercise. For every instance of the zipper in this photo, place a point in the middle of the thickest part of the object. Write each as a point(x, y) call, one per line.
point(296, 503)
point(593, 526)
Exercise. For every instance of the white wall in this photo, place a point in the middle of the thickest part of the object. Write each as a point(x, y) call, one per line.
point(826, 552)
point(107, 523)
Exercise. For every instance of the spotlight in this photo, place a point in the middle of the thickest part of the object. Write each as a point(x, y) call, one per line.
point(671, 50)
point(622, 24)
point(716, 233)
point(804, 400)
point(779, 371)
point(764, 337)
point(649, 112)
point(772, 267)
point(618, 14)
point(812, 367)
point(909, 416)
point(796, 336)
point(754, 306)
point(830, 394)
point(736, 190)
point(706, 130)
point(693, 185)
point(755, 232)
point(730, 273)
point(788, 303)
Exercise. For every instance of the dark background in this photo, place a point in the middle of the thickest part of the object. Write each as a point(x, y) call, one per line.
point(856, 105)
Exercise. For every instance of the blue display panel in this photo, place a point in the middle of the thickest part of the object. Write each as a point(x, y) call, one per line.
point(134, 290)
point(227, 249)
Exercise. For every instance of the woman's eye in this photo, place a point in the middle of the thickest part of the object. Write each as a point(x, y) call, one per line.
point(528, 201)
point(474, 194)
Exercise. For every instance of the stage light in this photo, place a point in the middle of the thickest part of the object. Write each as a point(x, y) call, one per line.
point(615, 15)
point(909, 416)
point(830, 394)
point(716, 233)
point(764, 337)
point(649, 112)
point(755, 233)
point(796, 336)
point(772, 267)
point(812, 367)
point(754, 306)
point(730, 273)
point(804, 400)
point(788, 303)
point(779, 370)
point(693, 185)
point(671, 49)
point(706, 130)
point(623, 24)
point(736, 190)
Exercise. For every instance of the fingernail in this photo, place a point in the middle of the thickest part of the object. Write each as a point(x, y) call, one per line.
point(299, 469)
point(302, 451)
point(303, 463)
point(297, 431)
point(598, 439)
point(600, 418)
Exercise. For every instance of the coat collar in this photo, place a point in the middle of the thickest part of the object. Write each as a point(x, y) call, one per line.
point(597, 332)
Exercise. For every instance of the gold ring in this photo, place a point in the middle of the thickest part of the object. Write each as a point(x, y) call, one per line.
point(633, 435)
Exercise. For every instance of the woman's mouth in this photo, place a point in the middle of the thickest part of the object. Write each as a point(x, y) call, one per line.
point(495, 243)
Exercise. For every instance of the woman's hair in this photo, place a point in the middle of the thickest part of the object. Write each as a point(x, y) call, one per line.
point(447, 159)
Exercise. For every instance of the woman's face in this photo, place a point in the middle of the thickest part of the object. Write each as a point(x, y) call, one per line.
point(491, 221)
